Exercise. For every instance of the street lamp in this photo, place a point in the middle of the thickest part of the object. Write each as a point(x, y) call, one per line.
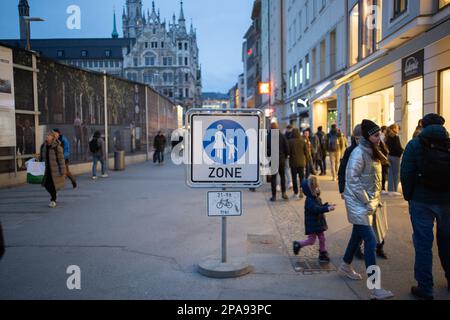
point(28, 20)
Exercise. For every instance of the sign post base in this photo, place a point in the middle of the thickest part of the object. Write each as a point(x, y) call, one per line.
point(213, 267)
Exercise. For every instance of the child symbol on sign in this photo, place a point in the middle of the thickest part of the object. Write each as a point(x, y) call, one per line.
point(231, 149)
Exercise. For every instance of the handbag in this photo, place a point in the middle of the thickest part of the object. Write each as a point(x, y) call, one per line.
point(380, 223)
point(35, 171)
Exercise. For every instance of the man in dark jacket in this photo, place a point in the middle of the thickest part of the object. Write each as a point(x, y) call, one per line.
point(321, 160)
point(427, 203)
point(283, 154)
point(298, 159)
point(160, 146)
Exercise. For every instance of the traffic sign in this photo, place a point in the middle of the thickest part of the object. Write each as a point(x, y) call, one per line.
point(224, 203)
point(224, 148)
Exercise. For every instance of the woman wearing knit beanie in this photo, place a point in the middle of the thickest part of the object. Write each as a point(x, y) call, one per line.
point(362, 196)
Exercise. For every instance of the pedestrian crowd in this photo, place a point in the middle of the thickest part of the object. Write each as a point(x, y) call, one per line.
point(374, 159)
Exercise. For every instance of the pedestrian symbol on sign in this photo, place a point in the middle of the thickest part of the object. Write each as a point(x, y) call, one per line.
point(225, 142)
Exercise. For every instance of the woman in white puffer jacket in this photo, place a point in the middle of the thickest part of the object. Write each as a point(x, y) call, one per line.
point(362, 196)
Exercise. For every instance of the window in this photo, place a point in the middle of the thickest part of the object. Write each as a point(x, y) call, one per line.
point(322, 62)
point(154, 31)
point(180, 46)
point(290, 81)
point(186, 61)
point(295, 78)
point(95, 64)
point(60, 53)
point(162, 45)
point(108, 53)
point(369, 26)
point(307, 68)
point(135, 62)
point(300, 73)
point(146, 45)
point(154, 45)
point(333, 52)
point(187, 93)
point(314, 64)
point(148, 77)
point(84, 53)
point(400, 7)
point(164, 61)
point(180, 61)
point(101, 64)
point(186, 77)
point(354, 35)
point(117, 64)
point(180, 93)
point(90, 64)
point(185, 46)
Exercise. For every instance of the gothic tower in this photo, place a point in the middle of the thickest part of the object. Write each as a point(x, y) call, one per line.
point(24, 11)
point(133, 22)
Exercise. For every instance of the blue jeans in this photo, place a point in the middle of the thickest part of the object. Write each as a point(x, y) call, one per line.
point(96, 159)
point(359, 233)
point(393, 174)
point(423, 216)
point(158, 156)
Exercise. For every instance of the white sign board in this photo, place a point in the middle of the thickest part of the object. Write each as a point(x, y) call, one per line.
point(224, 148)
point(7, 112)
point(225, 203)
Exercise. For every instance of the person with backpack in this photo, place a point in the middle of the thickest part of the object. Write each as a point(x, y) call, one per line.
point(425, 178)
point(53, 155)
point(66, 147)
point(395, 153)
point(98, 151)
point(332, 145)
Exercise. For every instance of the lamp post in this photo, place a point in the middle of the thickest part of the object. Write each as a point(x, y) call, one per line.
point(28, 20)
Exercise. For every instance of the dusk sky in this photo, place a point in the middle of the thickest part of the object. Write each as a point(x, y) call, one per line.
point(220, 26)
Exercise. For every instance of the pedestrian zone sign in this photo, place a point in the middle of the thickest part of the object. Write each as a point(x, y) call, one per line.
point(224, 148)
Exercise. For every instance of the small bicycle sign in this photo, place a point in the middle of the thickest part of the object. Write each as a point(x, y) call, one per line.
point(223, 204)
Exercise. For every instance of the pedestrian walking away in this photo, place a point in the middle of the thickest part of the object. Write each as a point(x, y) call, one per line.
point(159, 144)
point(315, 221)
point(321, 151)
point(333, 144)
point(53, 155)
point(425, 176)
point(395, 153)
point(362, 197)
point(283, 153)
point(66, 147)
point(298, 157)
point(98, 151)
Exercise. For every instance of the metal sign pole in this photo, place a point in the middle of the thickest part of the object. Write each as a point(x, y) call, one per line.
point(224, 239)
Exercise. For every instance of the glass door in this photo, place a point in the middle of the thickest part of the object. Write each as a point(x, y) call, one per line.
point(414, 106)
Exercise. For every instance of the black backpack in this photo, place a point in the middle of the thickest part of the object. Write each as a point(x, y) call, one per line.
point(434, 167)
point(93, 145)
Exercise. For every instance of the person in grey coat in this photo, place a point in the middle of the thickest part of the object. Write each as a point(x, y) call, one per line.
point(362, 197)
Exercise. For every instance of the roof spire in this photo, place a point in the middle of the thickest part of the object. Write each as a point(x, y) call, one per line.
point(115, 34)
point(181, 12)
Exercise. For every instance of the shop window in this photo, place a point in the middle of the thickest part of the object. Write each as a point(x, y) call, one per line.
point(25, 134)
point(378, 107)
point(23, 89)
point(444, 84)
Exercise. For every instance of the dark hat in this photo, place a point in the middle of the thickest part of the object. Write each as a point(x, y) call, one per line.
point(432, 118)
point(369, 128)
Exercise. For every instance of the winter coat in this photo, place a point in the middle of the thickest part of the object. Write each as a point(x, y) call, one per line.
point(339, 141)
point(298, 151)
point(101, 152)
point(55, 163)
point(66, 146)
point(283, 146)
point(315, 221)
point(362, 184)
point(394, 146)
point(412, 189)
point(160, 143)
point(343, 166)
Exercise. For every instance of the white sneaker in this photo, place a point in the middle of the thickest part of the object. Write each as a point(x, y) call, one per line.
point(380, 294)
point(278, 188)
point(52, 204)
point(384, 193)
point(94, 178)
point(347, 270)
point(105, 175)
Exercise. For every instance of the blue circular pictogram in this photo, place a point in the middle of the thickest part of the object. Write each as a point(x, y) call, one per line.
point(225, 142)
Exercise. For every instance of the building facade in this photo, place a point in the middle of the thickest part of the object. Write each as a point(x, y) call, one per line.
point(315, 57)
point(163, 56)
point(399, 70)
